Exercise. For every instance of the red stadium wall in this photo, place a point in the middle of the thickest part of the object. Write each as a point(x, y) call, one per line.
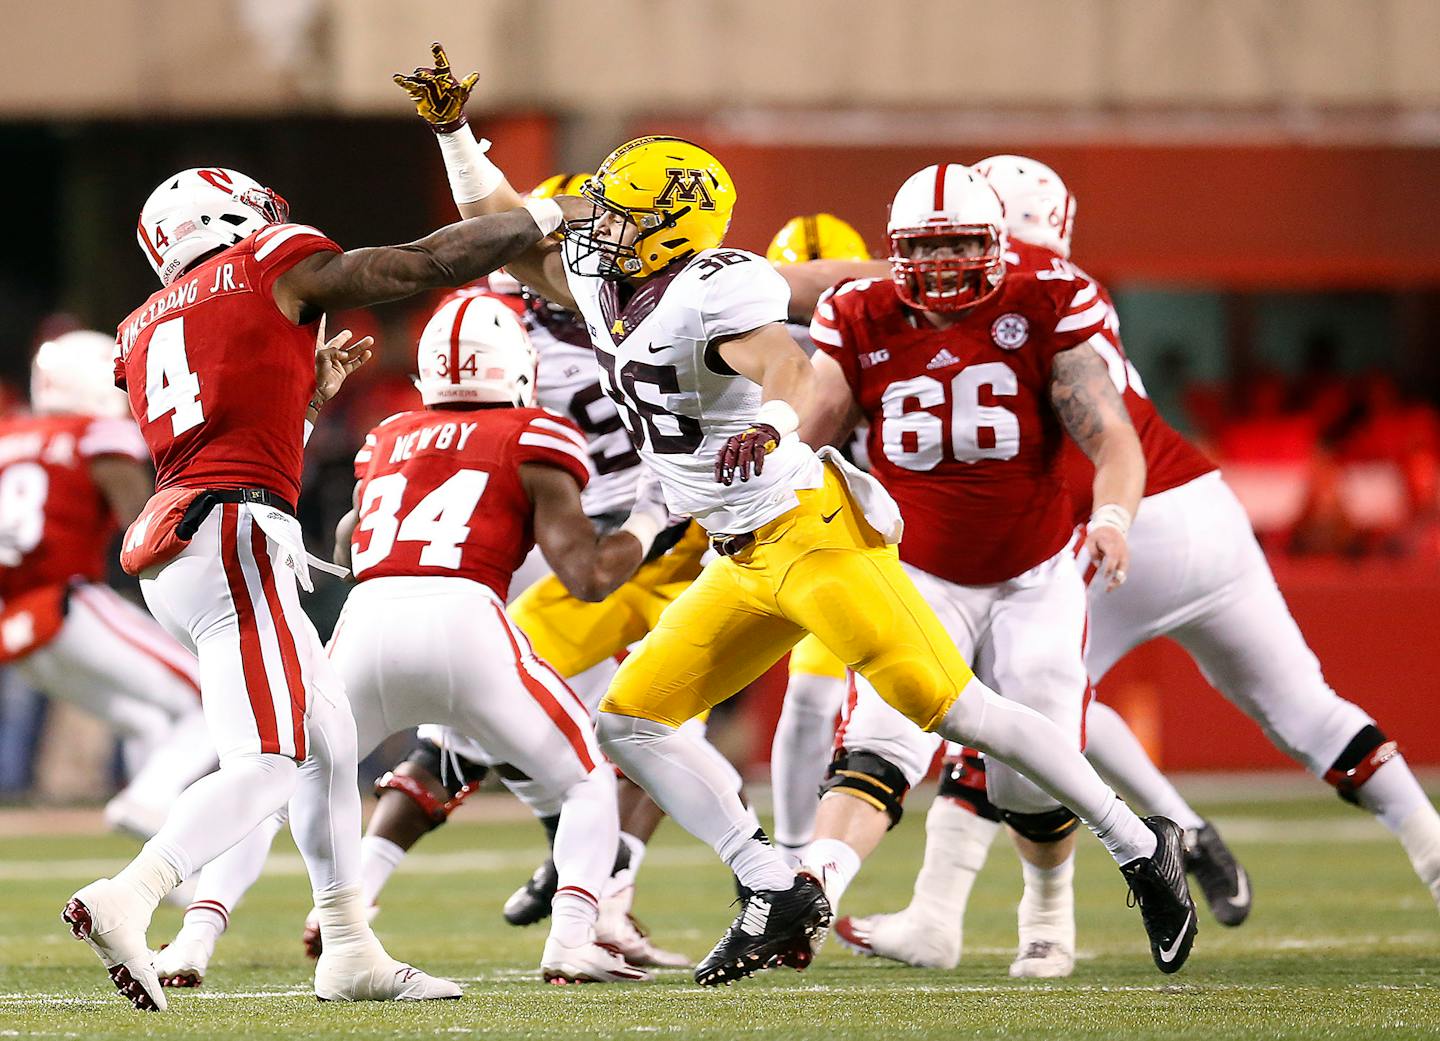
point(1373, 627)
point(1233, 216)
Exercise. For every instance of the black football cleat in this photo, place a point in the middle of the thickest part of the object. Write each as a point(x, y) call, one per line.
point(1223, 881)
point(774, 928)
point(531, 902)
point(1158, 885)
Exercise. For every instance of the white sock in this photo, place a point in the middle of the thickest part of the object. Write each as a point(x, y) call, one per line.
point(1392, 794)
point(800, 754)
point(1034, 746)
point(572, 916)
point(1121, 760)
point(834, 865)
point(1420, 836)
point(152, 873)
point(957, 841)
point(687, 783)
point(224, 881)
point(586, 839)
point(344, 928)
point(1047, 908)
point(205, 921)
point(379, 857)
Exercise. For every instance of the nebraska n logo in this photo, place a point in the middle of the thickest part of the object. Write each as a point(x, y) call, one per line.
point(686, 186)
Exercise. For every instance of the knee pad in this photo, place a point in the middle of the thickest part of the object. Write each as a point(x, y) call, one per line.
point(1367, 751)
point(461, 777)
point(963, 779)
point(1050, 826)
point(869, 778)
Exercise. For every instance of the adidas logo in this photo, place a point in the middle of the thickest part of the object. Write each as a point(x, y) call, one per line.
point(943, 359)
point(755, 916)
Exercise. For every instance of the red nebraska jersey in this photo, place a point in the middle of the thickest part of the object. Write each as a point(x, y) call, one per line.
point(1170, 460)
point(218, 378)
point(55, 523)
point(962, 432)
point(440, 491)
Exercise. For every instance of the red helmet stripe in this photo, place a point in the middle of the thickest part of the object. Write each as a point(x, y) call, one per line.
point(149, 246)
point(940, 185)
point(455, 339)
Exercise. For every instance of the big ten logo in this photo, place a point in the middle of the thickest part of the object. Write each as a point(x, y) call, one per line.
point(684, 185)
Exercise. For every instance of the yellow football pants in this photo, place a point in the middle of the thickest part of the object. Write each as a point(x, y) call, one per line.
point(810, 657)
point(819, 568)
point(573, 636)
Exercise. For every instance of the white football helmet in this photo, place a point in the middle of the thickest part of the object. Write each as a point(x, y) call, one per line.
point(1039, 209)
point(75, 373)
point(947, 201)
point(199, 210)
point(474, 349)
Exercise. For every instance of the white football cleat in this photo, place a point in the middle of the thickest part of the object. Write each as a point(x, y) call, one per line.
point(900, 938)
point(1043, 959)
point(617, 928)
point(377, 977)
point(112, 917)
point(183, 963)
point(588, 963)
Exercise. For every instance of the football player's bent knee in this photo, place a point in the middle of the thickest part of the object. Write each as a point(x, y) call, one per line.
point(963, 780)
point(1367, 751)
point(916, 686)
point(435, 787)
point(869, 778)
point(1050, 826)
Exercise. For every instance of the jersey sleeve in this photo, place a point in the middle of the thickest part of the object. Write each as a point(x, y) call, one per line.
point(740, 295)
point(1080, 313)
point(827, 329)
point(553, 440)
point(280, 247)
point(113, 437)
point(366, 453)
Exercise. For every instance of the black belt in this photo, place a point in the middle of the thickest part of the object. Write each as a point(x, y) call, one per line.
point(729, 545)
point(211, 497)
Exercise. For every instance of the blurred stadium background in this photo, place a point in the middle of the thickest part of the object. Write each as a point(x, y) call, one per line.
point(1257, 183)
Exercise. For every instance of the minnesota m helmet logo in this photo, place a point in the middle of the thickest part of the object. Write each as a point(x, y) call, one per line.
point(685, 185)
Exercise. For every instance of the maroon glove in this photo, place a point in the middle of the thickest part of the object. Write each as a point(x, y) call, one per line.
point(744, 452)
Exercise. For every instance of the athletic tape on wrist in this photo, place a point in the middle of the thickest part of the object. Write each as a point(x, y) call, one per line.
point(1111, 515)
point(644, 528)
point(472, 175)
point(546, 213)
point(780, 415)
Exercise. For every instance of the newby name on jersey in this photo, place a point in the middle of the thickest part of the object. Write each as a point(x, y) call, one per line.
point(440, 491)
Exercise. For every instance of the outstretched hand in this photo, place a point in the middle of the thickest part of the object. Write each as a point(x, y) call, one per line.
point(337, 358)
point(439, 97)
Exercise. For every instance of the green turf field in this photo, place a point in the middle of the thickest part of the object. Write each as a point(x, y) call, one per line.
point(1343, 943)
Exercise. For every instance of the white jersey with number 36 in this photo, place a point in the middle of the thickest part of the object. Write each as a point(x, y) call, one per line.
point(679, 401)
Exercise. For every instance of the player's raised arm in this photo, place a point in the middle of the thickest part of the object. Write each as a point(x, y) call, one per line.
point(1092, 411)
point(478, 186)
point(451, 256)
point(810, 279)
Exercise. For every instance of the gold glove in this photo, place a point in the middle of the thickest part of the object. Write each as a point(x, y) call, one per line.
point(439, 97)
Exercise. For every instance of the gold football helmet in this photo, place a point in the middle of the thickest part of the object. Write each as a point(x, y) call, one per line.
point(559, 184)
point(657, 200)
point(816, 236)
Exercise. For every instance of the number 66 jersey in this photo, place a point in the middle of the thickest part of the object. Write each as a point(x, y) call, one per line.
point(962, 432)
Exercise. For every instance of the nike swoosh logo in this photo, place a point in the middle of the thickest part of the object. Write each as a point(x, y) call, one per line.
point(1242, 892)
point(1167, 955)
point(830, 518)
point(657, 350)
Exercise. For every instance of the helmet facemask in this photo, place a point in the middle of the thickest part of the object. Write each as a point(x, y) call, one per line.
point(970, 273)
point(609, 244)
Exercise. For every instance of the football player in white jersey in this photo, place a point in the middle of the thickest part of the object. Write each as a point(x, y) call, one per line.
point(691, 340)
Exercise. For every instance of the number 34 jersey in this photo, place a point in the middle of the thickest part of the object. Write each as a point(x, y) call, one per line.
point(962, 432)
point(679, 401)
point(218, 378)
point(440, 491)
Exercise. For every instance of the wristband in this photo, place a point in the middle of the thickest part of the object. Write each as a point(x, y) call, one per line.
point(547, 214)
point(644, 528)
point(473, 176)
point(780, 415)
point(1111, 515)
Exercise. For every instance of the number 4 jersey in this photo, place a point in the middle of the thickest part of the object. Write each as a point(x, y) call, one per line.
point(218, 378)
point(962, 432)
point(440, 491)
